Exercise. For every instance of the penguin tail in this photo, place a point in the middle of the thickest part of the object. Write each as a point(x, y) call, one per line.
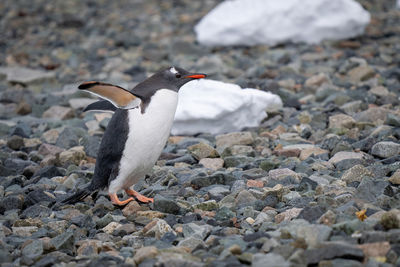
point(79, 196)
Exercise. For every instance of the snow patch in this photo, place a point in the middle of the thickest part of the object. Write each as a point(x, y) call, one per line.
point(252, 22)
point(208, 106)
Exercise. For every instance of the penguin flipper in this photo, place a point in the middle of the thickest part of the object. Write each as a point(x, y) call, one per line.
point(118, 96)
point(102, 105)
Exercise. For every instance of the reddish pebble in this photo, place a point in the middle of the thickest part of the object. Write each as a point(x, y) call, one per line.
point(255, 183)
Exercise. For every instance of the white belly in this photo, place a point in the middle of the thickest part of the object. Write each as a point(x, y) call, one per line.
point(148, 133)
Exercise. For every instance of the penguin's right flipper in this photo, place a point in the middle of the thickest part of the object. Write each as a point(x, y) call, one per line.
point(118, 96)
point(102, 105)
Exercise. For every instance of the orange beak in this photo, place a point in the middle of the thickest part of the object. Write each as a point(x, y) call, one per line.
point(196, 76)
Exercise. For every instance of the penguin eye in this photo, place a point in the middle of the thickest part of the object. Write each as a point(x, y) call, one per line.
point(178, 75)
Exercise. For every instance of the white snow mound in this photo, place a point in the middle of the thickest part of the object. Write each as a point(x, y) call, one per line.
point(252, 22)
point(208, 106)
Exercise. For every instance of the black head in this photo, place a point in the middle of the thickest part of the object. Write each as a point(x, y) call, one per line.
point(175, 77)
point(172, 78)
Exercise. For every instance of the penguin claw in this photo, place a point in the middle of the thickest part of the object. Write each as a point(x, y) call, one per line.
point(139, 196)
point(115, 200)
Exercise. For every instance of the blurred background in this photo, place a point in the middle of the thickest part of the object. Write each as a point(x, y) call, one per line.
point(67, 42)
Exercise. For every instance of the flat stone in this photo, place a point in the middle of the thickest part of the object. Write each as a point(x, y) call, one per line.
point(218, 192)
point(288, 152)
point(145, 253)
point(207, 205)
point(299, 146)
point(375, 115)
point(131, 208)
point(237, 161)
point(50, 136)
point(10, 202)
point(197, 231)
point(23, 108)
point(377, 249)
point(313, 234)
point(331, 250)
point(356, 174)
point(64, 241)
point(385, 149)
point(287, 215)
point(93, 127)
point(290, 196)
point(59, 112)
point(58, 226)
point(110, 228)
point(236, 138)
point(15, 142)
point(239, 150)
point(191, 243)
point(165, 205)
point(389, 220)
point(215, 178)
point(245, 198)
point(32, 143)
point(73, 155)
point(224, 214)
point(345, 155)
point(48, 171)
point(33, 250)
point(393, 120)
point(314, 151)
point(317, 80)
point(255, 183)
point(102, 116)
point(88, 247)
point(370, 189)
point(212, 163)
point(352, 107)
point(24, 231)
point(158, 228)
point(150, 214)
point(379, 91)
point(26, 76)
point(341, 121)
point(202, 150)
point(279, 174)
point(270, 259)
point(361, 73)
point(328, 218)
point(265, 217)
point(395, 178)
point(311, 213)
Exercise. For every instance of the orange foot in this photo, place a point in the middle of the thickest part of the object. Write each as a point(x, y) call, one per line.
point(116, 201)
point(139, 196)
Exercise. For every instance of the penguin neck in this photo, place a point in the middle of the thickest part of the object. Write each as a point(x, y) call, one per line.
point(163, 100)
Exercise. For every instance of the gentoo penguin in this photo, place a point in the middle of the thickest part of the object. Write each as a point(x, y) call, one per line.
point(136, 133)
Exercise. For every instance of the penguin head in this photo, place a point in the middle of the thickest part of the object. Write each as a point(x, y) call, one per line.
point(176, 77)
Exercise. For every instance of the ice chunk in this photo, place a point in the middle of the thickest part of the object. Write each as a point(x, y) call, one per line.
point(251, 22)
point(208, 106)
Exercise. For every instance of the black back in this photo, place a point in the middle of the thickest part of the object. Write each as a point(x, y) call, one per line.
point(111, 148)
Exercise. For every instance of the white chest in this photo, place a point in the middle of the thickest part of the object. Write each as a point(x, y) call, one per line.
point(148, 133)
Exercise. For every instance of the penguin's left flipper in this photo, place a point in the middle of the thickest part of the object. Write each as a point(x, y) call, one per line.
point(102, 105)
point(118, 96)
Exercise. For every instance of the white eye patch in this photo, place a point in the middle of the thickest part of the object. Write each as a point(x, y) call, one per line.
point(173, 70)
